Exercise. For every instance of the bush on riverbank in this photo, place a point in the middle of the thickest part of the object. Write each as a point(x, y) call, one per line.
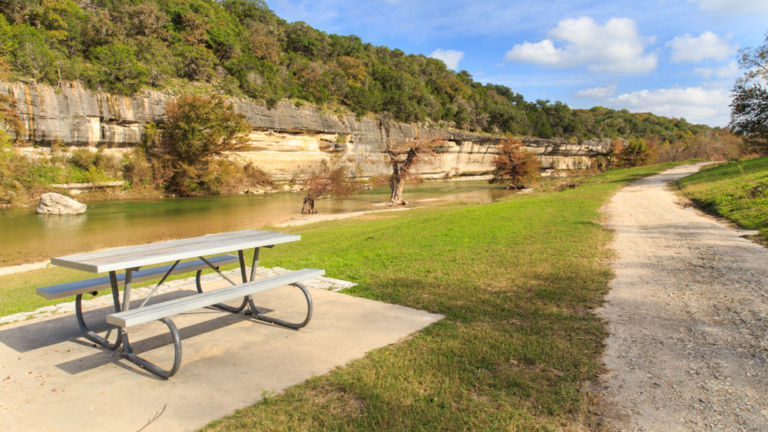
point(24, 178)
point(185, 154)
point(516, 167)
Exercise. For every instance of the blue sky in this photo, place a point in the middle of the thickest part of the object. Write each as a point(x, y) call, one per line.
point(671, 57)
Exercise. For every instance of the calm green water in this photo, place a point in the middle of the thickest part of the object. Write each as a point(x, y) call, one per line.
point(28, 237)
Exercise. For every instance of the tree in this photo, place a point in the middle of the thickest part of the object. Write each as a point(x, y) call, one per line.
point(198, 128)
point(637, 152)
point(120, 72)
point(329, 179)
point(513, 164)
point(402, 157)
point(749, 107)
point(749, 111)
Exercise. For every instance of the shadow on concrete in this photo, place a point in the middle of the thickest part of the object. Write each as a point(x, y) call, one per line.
point(33, 336)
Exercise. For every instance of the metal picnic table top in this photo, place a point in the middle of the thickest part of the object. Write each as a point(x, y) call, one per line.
point(128, 257)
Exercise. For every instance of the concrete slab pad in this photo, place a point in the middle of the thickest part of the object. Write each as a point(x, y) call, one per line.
point(53, 379)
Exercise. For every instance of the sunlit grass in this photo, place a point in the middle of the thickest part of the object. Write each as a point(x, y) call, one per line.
point(517, 282)
point(736, 190)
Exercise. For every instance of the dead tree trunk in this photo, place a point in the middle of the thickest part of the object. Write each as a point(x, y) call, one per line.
point(309, 206)
point(401, 164)
point(396, 185)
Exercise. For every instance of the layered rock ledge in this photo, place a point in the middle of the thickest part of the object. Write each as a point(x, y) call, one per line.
point(285, 139)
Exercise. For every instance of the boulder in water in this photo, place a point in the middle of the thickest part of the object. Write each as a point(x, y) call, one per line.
point(53, 203)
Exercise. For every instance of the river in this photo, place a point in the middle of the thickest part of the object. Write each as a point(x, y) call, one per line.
point(27, 237)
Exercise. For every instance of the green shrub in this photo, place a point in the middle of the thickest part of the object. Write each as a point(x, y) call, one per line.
point(197, 129)
point(137, 170)
point(83, 158)
point(120, 72)
point(636, 152)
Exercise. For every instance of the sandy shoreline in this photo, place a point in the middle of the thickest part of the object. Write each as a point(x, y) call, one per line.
point(306, 220)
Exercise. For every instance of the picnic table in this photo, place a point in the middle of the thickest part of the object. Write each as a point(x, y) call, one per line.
point(124, 264)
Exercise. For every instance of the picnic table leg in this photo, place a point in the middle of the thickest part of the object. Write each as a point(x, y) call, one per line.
point(90, 334)
point(244, 277)
point(254, 310)
point(262, 317)
point(254, 263)
point(155, 369)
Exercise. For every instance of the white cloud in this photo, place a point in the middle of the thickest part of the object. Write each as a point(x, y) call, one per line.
point(543, 52)
point(451, 58)
point(729, 71)
point(734, 6)
point(597, 92)
point(615, 47)
point(708, 45)
point(695, 104)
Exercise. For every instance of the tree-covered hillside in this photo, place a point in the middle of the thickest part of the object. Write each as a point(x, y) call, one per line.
point(241, 48)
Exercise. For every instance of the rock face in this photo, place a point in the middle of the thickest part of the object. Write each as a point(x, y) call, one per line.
point(53, 203)
point(285, 140)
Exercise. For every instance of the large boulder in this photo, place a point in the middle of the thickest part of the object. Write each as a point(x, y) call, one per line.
point(53, 203)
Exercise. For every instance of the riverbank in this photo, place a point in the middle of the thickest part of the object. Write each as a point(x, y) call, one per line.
point(292, 222)
point(30, 238)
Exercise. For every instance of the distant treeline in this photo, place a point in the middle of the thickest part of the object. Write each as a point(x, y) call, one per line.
point(241, 48)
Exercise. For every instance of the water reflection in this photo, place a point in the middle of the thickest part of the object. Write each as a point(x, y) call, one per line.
point(27, 237)
point(61, 222)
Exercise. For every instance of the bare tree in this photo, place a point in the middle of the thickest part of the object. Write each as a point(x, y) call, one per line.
point(328, 179)
point(515, 166)
point(402, 158)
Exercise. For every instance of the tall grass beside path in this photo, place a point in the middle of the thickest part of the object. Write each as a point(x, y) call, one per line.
point(737, 191)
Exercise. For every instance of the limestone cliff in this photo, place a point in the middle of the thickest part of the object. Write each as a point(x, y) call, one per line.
point(285, 139)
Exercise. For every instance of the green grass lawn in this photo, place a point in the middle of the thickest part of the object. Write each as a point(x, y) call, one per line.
point(736, 190)
point(517, 281)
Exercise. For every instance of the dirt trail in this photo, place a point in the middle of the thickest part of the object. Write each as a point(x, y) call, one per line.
point(688, 318)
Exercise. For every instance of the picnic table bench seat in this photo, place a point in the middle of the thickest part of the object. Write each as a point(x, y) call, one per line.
point(165, 310)
point(177, 306)
point(103, 282)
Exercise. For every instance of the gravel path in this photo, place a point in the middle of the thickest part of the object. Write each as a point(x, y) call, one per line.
point(688, 318)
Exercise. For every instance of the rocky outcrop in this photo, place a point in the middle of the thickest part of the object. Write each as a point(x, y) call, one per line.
point(286, 139)
point(74, 115)
point(57, 204)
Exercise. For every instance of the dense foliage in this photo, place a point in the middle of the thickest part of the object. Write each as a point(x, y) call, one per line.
point(241, 48)
point(197, 130)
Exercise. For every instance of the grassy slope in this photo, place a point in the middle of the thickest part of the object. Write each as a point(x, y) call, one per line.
point(737, 191)
point(516, 280)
